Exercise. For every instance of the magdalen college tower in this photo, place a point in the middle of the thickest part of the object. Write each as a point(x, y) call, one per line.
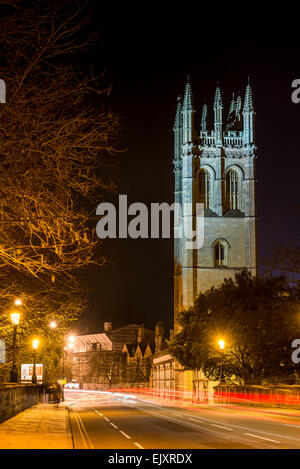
point(215, 166)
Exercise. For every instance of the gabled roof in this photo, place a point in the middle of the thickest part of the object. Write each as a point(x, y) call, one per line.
point(130, 349)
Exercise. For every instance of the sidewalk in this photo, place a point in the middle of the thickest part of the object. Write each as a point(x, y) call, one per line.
point(44, 426)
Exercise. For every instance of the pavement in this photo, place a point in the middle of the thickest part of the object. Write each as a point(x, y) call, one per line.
point(43, 426)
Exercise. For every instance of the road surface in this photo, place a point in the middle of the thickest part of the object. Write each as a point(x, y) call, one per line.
point(112, 421)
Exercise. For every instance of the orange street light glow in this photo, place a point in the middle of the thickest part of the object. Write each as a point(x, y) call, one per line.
point(15, 318)
point(221, 344)
point(53, 324)
point(18, 302)
point(35, 343)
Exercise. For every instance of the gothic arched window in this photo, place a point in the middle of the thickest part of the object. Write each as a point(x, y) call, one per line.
point(204, 188)
point(220, 254)
point(232, 190)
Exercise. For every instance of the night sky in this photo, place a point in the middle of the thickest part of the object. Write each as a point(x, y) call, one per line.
point(147, 54)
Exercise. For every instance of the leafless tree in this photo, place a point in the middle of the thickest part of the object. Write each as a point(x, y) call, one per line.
point(56, 136)
point(108, 366)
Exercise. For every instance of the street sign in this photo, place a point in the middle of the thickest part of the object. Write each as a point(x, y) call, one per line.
point(27, 372)
point(2, 351)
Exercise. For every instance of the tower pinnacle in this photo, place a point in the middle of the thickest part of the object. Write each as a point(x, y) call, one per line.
point(188, 115)
point(248, 102)
point(232, 105)
point(218, 107)
point(218, 99)
point(178, 115)
point(188, 97)
point(238, 105)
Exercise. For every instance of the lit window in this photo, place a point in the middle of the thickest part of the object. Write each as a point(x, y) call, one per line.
point(232, 190)
point(204, 188)
point(220, 254)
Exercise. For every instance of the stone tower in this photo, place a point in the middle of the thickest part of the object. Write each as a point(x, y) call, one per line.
point(215, 166)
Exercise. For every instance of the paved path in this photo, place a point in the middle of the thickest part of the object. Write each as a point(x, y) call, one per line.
point(44, 426)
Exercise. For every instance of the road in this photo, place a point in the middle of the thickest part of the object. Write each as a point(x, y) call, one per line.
point(112, 421)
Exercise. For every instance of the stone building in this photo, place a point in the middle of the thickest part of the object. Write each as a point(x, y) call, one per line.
point(214, 166)
point(138, 364)
point(163, 372)
point(98, 361)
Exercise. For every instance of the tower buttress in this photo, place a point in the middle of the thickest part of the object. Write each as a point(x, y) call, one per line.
point(218, 107)
point(248, 114)
point(204, 117)
point(177, 129)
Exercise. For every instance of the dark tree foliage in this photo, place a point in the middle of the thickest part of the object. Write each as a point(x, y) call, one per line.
point(256, 317)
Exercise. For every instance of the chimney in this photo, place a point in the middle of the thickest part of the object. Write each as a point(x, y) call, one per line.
point(107, 326)
point(141, 333)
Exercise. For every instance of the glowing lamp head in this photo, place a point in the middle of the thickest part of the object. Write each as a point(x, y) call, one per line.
point(71, 339)
point(18, 302)
point(70, 345)
point(35, 343)
point(15, 318)
point(53, 324)
point(221, 344)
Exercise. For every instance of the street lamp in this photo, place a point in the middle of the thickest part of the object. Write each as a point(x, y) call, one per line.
point(18, 302)
point(15, 319)
point(221, 343)
point(35, 344)
point(53, 324)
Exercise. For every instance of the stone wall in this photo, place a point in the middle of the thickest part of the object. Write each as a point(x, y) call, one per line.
point(17, 397)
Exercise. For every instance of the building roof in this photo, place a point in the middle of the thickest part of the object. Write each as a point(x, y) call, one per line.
point(82, 342)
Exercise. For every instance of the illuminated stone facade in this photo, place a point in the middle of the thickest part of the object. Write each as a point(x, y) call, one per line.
point(215, 166)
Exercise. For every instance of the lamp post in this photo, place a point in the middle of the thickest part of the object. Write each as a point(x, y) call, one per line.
point(221, 343)
point(63, 372)
point(69, 346)
point(15, 319)
point(35, 344)
point(64, 353)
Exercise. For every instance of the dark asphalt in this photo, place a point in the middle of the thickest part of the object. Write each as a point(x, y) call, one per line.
point(100, 420)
